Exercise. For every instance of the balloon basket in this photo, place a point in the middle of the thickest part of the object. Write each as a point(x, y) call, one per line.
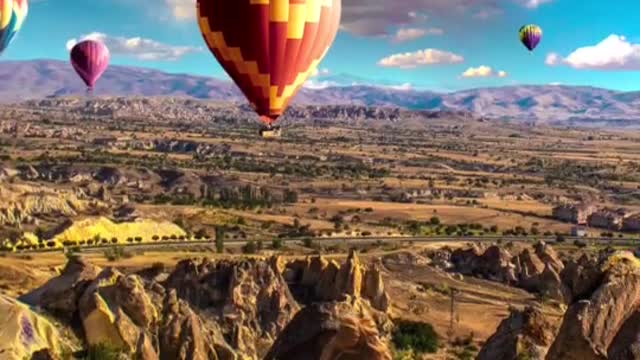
point(271, 132)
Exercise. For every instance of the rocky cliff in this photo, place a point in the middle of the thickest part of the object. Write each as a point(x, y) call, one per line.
point(600, 323)
point(205, 309)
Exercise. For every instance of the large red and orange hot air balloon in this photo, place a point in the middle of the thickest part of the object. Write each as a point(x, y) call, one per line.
point(269, 47)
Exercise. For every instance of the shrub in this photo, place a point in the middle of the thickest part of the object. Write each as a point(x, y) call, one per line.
point(250, 247)
point(104, 352)
point(276, 244)
point(420, 337)
point(308, 242)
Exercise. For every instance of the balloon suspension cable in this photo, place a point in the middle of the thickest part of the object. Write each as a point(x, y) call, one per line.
point(89, 91)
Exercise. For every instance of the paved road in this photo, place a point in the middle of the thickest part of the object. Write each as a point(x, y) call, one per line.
point(358, 241)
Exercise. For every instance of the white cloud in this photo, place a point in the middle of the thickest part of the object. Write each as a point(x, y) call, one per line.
point(420, 58)
point(409, 34)
point(182, 9)
point(140, 48)
point(553, 59)
point(483, 71)
point(532, 4)
point(613, 53)
point(402, 87)
point(320, 72)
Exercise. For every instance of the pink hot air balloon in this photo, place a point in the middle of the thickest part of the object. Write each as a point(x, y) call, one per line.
point(90, 59)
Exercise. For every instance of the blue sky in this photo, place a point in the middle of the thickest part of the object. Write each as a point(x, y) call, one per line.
point(434, 41)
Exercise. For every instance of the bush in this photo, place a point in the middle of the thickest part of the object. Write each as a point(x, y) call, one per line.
point(116, 253)
point(308, 242)
point(250, 247)
point(420, 337)
point(220, 239)
point(104, 352)
point(276, 244)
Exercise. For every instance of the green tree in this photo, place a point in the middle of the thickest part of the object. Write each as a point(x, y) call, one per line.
point(419, 337)
point(220, 239)
point(250, 247)
point(276, 244)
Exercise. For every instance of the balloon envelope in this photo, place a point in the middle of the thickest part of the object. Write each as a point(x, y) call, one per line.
point(90, 59)
point(12, 16)
point(269, 47)
point(530, 35)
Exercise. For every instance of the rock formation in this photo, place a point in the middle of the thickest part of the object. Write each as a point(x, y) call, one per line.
point(330, 331)
point(523, 335)
point(23, 333)
point(223, 309)
point(538, 270)
point(605, 324)
point(602, 321)
point(61, 294)
point(317, 279)
point(250, 299)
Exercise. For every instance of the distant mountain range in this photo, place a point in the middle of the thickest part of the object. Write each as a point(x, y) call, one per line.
point(558, 105)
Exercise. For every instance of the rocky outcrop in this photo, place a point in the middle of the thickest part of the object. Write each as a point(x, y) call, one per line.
point(249, 299)
point(524, 334)
point(317, 279)
point(116, 309)
point(25, 334)
point(538, 270)
point(493, 264)
point(602, 321)
point(604, 325)
point(330, 331)
point(183, 335)
point(61, 294)
point(581, 277)
point(222, 310)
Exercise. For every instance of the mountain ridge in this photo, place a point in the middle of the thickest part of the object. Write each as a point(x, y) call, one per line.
point(549, 104)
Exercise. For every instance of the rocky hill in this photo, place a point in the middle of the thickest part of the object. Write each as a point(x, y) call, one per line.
point(600, 322)
point(204, 309)
point(560, 105)
point(191, 111)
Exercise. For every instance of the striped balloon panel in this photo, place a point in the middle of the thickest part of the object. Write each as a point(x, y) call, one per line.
point(90, 59)
point(530, 35)
point(269, 47)
point(12, 16)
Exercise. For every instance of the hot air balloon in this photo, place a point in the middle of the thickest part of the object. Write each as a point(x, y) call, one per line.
point(269, 47)
point(530, 35)
point(12, 16)
point(90, 58)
